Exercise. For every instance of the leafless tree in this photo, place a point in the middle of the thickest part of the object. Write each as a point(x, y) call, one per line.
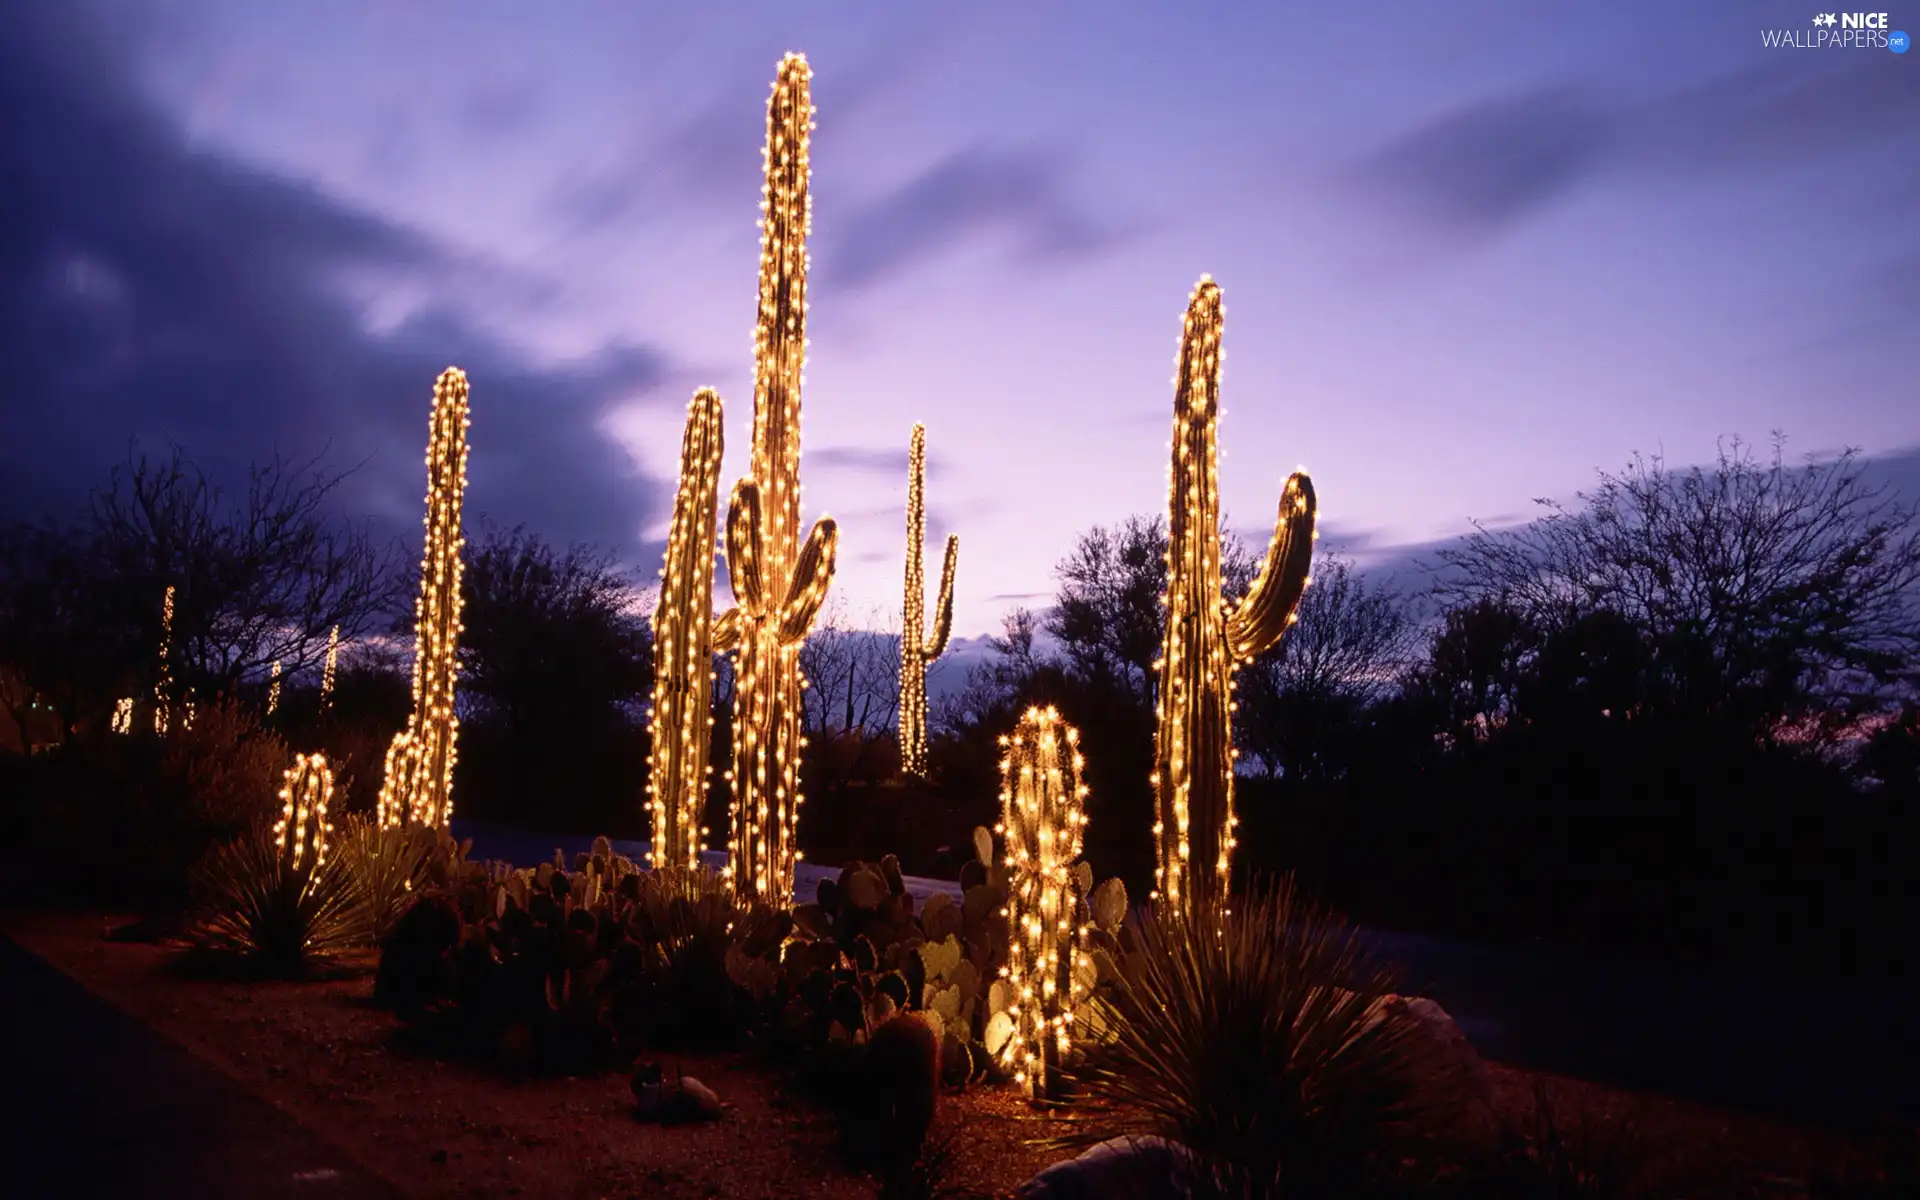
point(853, 696)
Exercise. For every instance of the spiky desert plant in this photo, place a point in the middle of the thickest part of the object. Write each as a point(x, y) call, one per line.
point(918, 650)
point(163, 683)
point(422, 789)
point(1043, 819)
point(1207, 639)
point(1259, 1039)
point(779, 581)
point(681, 724)
point(275, 898)
point(391, 863)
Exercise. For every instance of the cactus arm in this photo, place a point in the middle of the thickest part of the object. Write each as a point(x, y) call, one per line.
point(943, 608)
point(812, 575)
point(1257, 622)
point(745, 542)
point(726, 631)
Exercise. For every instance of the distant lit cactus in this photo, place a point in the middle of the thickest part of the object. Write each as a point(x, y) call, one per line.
point(1207, 640)
point(273, 688)
point(918, 649)
point(779, 581)
point(682, 718)
point(163, 685)
point(1043, 805)
point(419, 783)
point(327, 672)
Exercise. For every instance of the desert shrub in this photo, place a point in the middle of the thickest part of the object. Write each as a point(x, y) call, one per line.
point(1256, 1038)
point(416, 972)
point(392, 865)
point(891, 1112)
point(253, 908)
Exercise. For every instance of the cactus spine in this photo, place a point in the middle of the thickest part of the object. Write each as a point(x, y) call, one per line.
point(682, 718)
point(779, 581)
point(1206, 639)
point(301, 833)
point(1043, 819)
point(918, 651)
point(419, 782)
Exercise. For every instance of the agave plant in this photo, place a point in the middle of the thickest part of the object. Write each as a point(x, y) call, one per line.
point(1258, 1039)
point(392, 866)
point(254, 906)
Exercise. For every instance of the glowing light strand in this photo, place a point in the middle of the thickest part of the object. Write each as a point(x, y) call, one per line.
point(1043, 820)
point(419, 782)
point(1205, 640)
point(917, 652)
point(301, 833)
point(163, 685)
point(779, 582)
point(327, 673)
point(681, 723)
point(273, 688)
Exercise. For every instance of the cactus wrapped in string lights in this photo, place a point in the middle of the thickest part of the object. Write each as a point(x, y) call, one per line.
point(273, 688)
point(163, 684)
point(1207, 639)
point(301, 833)
point(1043, 819)
point(779, 579)
point(391, 809)
point(327, 672)
point(682, 719)
point(419, 783)
point(918, 650)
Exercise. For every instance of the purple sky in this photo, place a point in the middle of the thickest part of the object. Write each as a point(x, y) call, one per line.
point(1471, 252)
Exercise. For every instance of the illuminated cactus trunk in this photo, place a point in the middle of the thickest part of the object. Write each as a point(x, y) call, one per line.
point(326, 673)
point(1043, 819)
point(917, 650)
point(419, 783)
point(163, 685)
point(1206, 641)
point(301, 833)
point(682, 718)
point(779, 582)
point(273, 688)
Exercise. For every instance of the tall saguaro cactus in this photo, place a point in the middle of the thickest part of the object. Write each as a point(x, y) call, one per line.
point(163, 685)
point(1207, 639)
point(779, 581)
point(682, 719)
point(327, 672)
point(917, 649)
point(419, 782)
point(1043, 818)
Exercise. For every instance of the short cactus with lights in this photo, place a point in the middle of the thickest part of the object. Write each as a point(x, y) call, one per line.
point(419, 781)
point(919, 649)
point(1207, 639)
point(682, 720)
point(779, 580)
point(301, 833)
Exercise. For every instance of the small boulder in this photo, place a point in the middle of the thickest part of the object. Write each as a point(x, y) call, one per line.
point(682, 1100)
point(1124, 1168)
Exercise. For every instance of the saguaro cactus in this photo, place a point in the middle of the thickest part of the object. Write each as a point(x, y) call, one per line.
point(918, 651)
point(779, 582)
point(163, 683)
point(1206, 639)
point(682, 719)
point(1043, 819)
point(326, 673)
point(419, 783)
point(273, 688)
point(301, 833)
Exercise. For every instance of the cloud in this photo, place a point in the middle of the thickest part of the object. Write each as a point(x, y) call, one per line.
point(873, 460)
point(1016, 193)
point(150, 290)
point(1488, 165)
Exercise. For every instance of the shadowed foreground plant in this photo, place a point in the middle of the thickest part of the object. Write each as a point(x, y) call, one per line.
point(391, 864)
point(1262, 1047)
point(255, 908)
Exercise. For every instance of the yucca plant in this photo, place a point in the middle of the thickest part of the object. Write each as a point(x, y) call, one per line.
point(1257, 1038)
point(391, 863)
point(255, 908)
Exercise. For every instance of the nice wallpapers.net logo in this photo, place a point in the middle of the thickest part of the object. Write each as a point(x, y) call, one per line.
point(1840, 31)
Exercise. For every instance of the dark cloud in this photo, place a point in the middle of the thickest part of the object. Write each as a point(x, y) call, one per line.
point(1480, 169)
point(1018, 193)
point(873, 460)
point(150, 290)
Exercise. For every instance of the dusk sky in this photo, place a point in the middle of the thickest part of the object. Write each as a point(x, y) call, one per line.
point(1471, 252)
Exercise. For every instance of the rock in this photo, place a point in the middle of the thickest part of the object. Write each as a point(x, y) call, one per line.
point(1126, 1168)
point(1442, 1041)
point(685, 1100)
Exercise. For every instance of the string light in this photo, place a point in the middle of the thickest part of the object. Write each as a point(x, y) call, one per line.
point(326, 674)
point(916, 652)
point(123, 715)
point(779, 582)
point(681, 723)
point(163, 686)
point(419, 781)
point(301, 833)
point(273, 688)
point(1043, 821)
point(1206, 640)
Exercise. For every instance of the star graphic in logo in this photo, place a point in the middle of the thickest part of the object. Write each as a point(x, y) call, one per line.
point(1827, 19)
